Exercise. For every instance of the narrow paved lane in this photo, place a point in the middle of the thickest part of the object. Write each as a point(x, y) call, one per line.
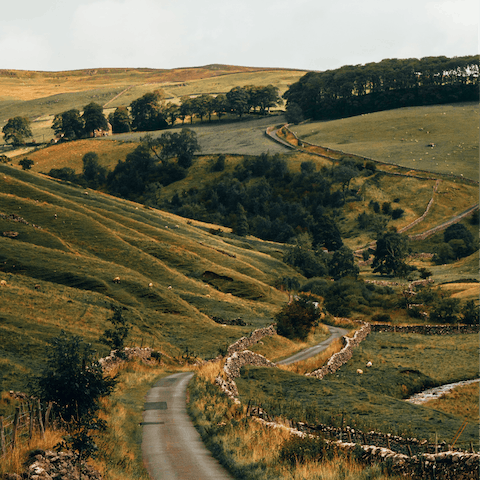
point(172, 448)
point(336, 332)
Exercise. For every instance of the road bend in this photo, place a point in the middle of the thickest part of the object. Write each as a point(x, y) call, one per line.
point(172, 448)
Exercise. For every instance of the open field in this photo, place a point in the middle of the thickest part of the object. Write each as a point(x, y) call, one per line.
point(402, 136)
point(60, 276)
point(402, 365)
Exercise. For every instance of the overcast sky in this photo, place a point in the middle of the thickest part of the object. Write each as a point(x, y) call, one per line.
point(55, 35)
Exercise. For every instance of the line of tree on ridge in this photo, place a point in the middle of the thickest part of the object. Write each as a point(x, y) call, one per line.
point(391, 83)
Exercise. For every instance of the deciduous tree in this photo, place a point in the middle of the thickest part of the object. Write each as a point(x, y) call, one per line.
point(148, 112)
point(17, 130)
point(390, 254)
point(93, 118)
point(70, 124)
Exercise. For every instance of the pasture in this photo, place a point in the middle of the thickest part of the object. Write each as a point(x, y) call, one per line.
point(402, 365)
point(60, 276)
point(403, 137)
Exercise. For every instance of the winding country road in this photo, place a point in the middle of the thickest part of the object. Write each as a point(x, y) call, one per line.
point(172, 448)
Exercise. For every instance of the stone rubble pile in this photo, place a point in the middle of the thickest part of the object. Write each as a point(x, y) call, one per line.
point(51, 465)
point(114, 359)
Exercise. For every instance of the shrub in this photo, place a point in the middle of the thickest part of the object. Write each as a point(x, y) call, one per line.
point(298, 318)
point(397, 213)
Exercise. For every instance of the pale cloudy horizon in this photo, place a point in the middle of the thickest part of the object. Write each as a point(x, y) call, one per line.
point(56, 35)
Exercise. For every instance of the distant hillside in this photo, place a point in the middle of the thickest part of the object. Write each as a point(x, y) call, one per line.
point(174, 275)
point(41, 95)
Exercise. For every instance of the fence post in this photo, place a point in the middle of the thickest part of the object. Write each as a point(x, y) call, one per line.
point(30, 412)
point(15, 427)
point(40, 421)
point(409, 450)
point(47, 414)
point(2, 437)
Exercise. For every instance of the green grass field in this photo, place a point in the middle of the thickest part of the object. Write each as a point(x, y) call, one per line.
point(402, 136)
point(402, 365)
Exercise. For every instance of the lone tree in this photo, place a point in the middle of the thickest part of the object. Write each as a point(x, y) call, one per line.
point(94, 118)
point(390, 254)
point(115, 336)
point(17, 130)
point(300, 317)
point(72, 379)
point(74, 382)
point(26, 163)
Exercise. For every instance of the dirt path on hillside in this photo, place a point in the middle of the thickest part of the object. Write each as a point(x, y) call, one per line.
point(171, 446)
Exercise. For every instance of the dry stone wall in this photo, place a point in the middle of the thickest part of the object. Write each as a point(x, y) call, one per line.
point(344, 355)
point(426, 329)
point(245, 342)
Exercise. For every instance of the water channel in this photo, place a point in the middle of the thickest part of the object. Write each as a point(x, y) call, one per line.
point(437, 392)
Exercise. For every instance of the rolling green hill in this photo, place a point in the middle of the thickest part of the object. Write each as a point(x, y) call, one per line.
point(438, 138)
point(174, 274)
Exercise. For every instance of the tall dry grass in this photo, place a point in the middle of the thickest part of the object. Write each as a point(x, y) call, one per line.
point(13, 461)
point(252, 450)
point(316, 362)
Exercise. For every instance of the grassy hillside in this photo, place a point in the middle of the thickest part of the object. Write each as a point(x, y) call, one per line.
point(59, 274)
point(402, 136)
point(41, 95)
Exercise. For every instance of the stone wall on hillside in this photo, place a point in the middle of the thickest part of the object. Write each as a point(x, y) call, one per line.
point(245, 342)
point(344, 355)
point(232, 367)
point(426, 329)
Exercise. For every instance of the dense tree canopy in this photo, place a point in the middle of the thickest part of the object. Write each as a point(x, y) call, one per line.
point(391, 83)
point(17, 130)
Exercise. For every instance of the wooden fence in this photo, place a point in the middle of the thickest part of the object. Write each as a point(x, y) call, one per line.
point(29, 417)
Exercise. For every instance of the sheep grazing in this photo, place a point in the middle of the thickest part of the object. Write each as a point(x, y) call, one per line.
point(3, 283)
point(359, 371)
point(169, 287)
point(150, 284)
point(369, 364)
point(116, 280)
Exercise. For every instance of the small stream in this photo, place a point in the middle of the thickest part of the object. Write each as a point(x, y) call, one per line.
point(437, 392)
